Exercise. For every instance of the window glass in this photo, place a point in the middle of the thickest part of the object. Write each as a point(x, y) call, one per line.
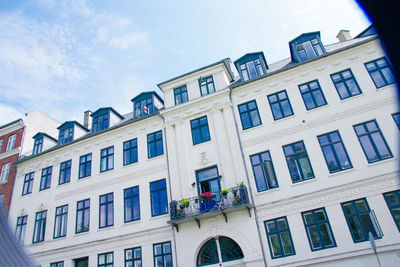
point(131, 204)
point(45, 181)
point(312, 95)
point(107, 159)
point(60, 222)
point(40, 227)
point(162, 254)
point(345, 84)
point(280, 105)
point(106, 210)
point(380, 72)
point(200, 131)
point(263, 170)
point(5, 170)
point(65, 172)
point(318, 229)
point(155, 144)
point(206, 85)
point(85, 165)
point(393, 202)
point(298, 163)
point(158, 197)
point(279, 238)
point(334, 152)
point(249, 115)
point(82, 216)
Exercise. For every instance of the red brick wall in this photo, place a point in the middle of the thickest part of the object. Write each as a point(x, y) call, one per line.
point(18, 140)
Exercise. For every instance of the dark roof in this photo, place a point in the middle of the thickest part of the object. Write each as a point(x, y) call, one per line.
point(224, 61)
point(305, 34)
point(10, 123)
point(39, 134)
point(145, 95)
point(105, 109)
point(370, 30)
point(68, 124)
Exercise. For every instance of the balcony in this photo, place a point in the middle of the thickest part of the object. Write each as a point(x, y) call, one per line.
point(203, 206)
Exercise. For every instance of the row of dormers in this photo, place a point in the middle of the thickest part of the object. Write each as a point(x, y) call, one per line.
point(179, 90)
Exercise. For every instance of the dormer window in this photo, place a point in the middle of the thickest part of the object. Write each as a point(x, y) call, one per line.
point(146, 103)
point(66, 135)
point(100, 123)
point(38, 145)
point(251, 66)
point(143, 107)
point(306, 46)
point(206, 85)
point(309, 49)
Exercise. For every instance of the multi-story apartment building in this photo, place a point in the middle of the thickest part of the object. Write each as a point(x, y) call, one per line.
point(16, 139)
point(285, 164)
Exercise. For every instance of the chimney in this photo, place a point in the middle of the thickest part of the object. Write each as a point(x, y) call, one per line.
point(87, 120)
point(344, 35)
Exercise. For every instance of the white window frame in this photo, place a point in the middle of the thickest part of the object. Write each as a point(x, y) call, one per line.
point(5, 170)
point(11, 142)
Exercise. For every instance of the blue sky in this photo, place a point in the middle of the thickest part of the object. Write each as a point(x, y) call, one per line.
point(65, 57)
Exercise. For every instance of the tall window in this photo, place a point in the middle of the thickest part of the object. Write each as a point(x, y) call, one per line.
point(372, 141)
point(263, 171)
point(318, 229)
point(60, 222)
point(251, 69)
point(162, 254)
point(37, 146)
point(106, 210)
point(144, 107)
point(40, 226)
point(82, 216)
point(200, 131)
point(158, 197)
point(100, 123)
point(85, 165)
point(280, 105)
point(65, 172)
point(279, 238)
point(57, 264)
point(309, 49)
point(133, 257)
point(360, 220)
point(297, 159)
point(28, 183)
point(130, 151)
point(249, 115)
point(206, 85)
point(345, 83)
point(5, 170)
point(396, 117)
point(11, 142)
point(181, 95)
point(393, 202)
point(380, 72)
point(1, 144)
point(131, 204)
point(45, 181)
point(21, 229)
point(107, 159)
point(155, 144)
point(66, 135)
point(105, 259)
point(334, 152)
point(312, 94)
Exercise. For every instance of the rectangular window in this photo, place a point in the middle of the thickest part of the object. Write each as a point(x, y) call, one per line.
point(380, 72)
point(65, 136)
point(60, 222)
point(158, 197)
point(393, 202)
point(249, 115)
point(279, 238)
point(162, 254)
point(11, 142)
point(85, 165)
point(106, 210)
point(309, 49)
point(155, 144)
point(181, 95)
point(206, 85)
point(130, 151)
point(372, 141)
point(57, 264)
point(251, 69)
point(298, 162)
point(200, 131)
point(144, 107)
point(65, 172)
point(105, 260)
point(107, 159)
point(280, 105)
point(360, 220)
point(396, 117)
point(38, 145)
point(100, 123)
point(345, 83)
point(82, 216)
point(5, 170)
point(133, 257)
point(28, 183)
point(1, 144)
point(263, 170)
point(131, 204)
point(318, 229)
point(45, 181)
point(312, 94)
point(40, 226)
point(21, 229)
point(335, 154)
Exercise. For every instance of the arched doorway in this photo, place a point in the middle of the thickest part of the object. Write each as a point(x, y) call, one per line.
point(218, 250)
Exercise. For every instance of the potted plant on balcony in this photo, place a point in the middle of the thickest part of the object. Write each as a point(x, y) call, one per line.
point(207, 203)
point(224, 192)
point(185, 203)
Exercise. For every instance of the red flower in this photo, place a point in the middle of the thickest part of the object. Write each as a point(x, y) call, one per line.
point(205, 195)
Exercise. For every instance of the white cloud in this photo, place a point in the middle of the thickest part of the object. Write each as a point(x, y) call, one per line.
point(128, 40)
point(9, 114)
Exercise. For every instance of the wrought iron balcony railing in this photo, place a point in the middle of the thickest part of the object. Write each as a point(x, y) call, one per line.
point(201, 206)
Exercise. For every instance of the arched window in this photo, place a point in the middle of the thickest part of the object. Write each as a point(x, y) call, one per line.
point(218, 250)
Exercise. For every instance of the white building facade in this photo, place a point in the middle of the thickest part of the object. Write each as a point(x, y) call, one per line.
point(288, 164)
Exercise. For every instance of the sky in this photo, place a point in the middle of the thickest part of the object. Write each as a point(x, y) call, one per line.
point(66, 57)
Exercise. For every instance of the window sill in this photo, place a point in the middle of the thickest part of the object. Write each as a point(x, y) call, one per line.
point(341, 172)
point(1, 183)
point(266, 191)
point(384, 87)
point(131, 223)
point(64, 184)
point(251, 128)
point(382, 161)
point(201, 143)
point(105, 228)
point(84, 178)
point(130, 164)
point(81, 233)
point(304, 181)
point(159, 217)
point(351, 97)
point(154, 158)
point(317, 108)
point(106, 171)
point(283, 119)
